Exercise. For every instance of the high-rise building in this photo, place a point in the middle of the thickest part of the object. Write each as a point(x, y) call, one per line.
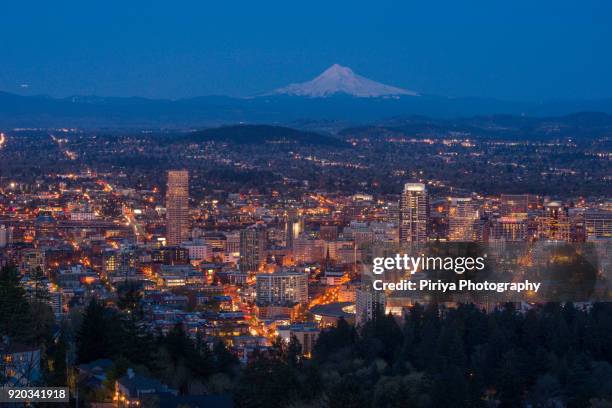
point(328, 232)
point(177, 207)
point(509, 229)
point(462, 217)
point(253, 244)
point(414, 212)
point(294, 225)
point(308, 250)
point(554, 223)
point(518, 204)
point(121, 264)
point(232, 242)
point(282, 288)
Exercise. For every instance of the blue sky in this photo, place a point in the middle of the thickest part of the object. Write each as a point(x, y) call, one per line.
point(514, 49)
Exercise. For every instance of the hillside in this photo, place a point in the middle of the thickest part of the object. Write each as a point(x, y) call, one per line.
point(584, 125)
point(258, 134)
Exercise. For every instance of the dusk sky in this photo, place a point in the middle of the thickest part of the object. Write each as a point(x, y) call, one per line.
point(516, 50)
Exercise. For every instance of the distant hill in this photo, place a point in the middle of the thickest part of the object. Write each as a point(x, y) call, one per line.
point(583, 125)
point(93, 112)
point(259, 134)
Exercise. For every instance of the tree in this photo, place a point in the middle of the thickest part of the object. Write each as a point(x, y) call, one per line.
point(93, 337)
point(224, 360)
point(182, 361)
point(348, 392)
point(293, 354)
point(136, 343)
point(42, 319)
point(129, 296)
point(334, 339)
point(116, 371)
point(40, 290)
point(409, 391)
point(267, 382)
point(546, 392)
point(15, 312)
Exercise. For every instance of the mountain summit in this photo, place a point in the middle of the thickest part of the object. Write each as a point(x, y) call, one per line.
point(341, 80)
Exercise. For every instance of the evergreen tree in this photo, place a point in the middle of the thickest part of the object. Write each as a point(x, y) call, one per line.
point(293, 355)
point(267, 382)
point(224, 360)
point(93, 337)
point(348, 392)
point(15, 311)
point(42, 318)
point(330, 341)
point(129, 296)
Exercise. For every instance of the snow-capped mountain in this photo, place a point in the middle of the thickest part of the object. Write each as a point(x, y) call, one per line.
point(341, 80)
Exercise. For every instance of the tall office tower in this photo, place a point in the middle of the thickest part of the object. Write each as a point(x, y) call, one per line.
point(462, 217)
point(177, 207)
point(253, 242)
point(554, 224)
point(414, 213)
point(518, 204)
point(294, 225)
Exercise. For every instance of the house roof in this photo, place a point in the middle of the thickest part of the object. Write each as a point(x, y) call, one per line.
point(100, 364)
point(138, 383)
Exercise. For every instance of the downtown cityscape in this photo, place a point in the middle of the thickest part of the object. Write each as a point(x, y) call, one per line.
point(251, 250)
point(306, 205)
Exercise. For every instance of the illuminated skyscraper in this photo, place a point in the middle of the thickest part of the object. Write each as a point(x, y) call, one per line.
point(414, 212)
point(294, 225)
point(518, 204)
point(462, 216)
point(253, 242)
point(177, 207)
point(554, 223)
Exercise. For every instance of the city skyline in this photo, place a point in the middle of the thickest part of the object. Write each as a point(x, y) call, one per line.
point(315, 205)
point(274, 256)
